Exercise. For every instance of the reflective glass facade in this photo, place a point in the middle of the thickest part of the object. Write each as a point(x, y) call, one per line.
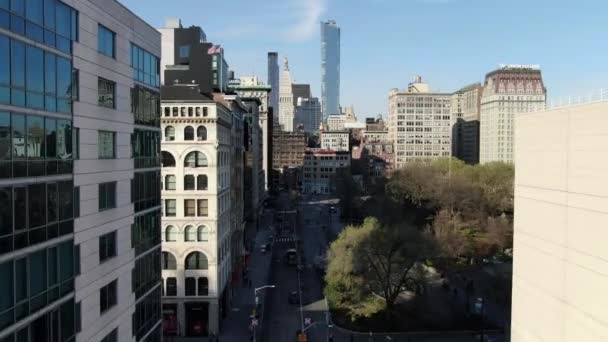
point(330, 68)
point(31, 77)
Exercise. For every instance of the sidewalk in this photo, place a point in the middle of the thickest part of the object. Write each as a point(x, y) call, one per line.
point(235, 328)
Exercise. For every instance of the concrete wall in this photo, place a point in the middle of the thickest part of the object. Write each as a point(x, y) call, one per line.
point(560, 271)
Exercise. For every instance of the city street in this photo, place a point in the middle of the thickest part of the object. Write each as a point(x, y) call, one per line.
point(281, 317)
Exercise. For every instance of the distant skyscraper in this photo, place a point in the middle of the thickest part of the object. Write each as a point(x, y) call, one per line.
point(509, 90)
point(273, 79)
point(286, 105)
point(330, 68)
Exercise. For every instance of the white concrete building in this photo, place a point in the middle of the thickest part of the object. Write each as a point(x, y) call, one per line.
point(286, 105)
point(76, 262)
point(419, 123)
point(338, 122)
point(197, 225)
point(252, 88)
point(560, 262)
point(335, 141)
point(376, 136)
point(509, 90)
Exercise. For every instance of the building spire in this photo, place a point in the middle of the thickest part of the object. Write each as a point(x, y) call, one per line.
point(286, 62)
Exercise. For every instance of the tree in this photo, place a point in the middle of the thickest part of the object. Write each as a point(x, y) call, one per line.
point(372, 264)
point(348, 191)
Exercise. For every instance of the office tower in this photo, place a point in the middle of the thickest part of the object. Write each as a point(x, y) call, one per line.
point(286, 105)
point(330, 68)
point(252, 88)
point(79, 145)
point(273, 80)
point(508, 90)
point(308, 115)
point(560, 256)
point(189, 59)
point(300, 90)
point(466, 107)
point(420, 123)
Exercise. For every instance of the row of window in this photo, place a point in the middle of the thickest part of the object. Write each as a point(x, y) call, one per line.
point(32, 282)
point(145, 104)
point(145, 148)
point(146, 66)
point(191, 234)
point(193, 261)
point(193, 287)
point(145, 190)
point(33, 78)
point(192, 208)
point(147, 314)
point(201, 133)
point(201, 183)
point(49, 22)
point(35, 146)
point(145, 231)
point(58, 325)
point(35, 213)
point(186, 111)
point(193, 160)
point(146, 273)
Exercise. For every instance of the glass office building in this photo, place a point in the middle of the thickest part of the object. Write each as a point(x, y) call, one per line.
point(79, 173)
point(330, 69)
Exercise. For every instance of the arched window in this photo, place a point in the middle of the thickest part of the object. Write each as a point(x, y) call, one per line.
point(189, 133)
point(203, 233)
point(201, 182)
point(196, 159)
point(169, 133)
point(190, 234)
point(201, 133)
point(196, 261)
point(168, 261)
point(167, 159)
point(170, 182)
point(188, 182)
point(170, 234)
point(203, 286)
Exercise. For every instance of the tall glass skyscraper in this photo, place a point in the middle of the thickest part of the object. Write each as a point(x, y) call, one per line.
point(273, 79)
point(330, 68)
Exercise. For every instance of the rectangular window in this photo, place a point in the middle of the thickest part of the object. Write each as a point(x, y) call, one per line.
point(107, 196)
point(190, 286)
point(170, 207)
point(189, 208)
point(171, 286)
point(184, 51)
point(111, 337)
point(107, 297)
point(203, 207)
point(106, 143)
point(105, 41)
point(106, 92)
point(107, 246)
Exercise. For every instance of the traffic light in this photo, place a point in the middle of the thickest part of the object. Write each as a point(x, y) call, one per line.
point(302, 338)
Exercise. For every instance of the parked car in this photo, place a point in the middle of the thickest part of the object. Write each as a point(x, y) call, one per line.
point(294, 297)
point(333, 210)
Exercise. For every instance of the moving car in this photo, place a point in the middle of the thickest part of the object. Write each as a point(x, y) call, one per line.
point(291, 257)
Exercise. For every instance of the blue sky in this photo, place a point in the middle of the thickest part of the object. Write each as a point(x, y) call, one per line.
point(451, 43)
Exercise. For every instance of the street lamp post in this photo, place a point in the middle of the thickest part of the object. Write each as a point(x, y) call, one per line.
point(255, 308)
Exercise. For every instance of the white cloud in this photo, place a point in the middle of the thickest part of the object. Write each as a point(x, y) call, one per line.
point(307, 19)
